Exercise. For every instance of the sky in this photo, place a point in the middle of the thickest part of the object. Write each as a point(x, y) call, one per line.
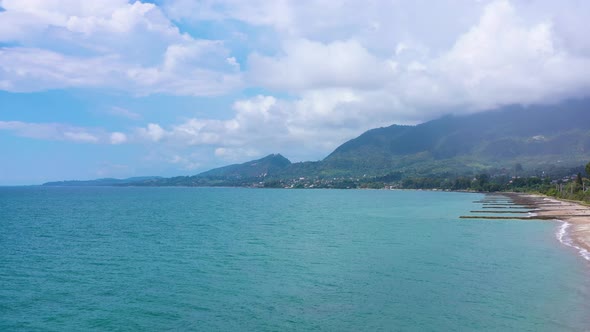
point(117, 88)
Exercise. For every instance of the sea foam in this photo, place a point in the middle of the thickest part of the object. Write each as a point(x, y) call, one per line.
point(564, 237)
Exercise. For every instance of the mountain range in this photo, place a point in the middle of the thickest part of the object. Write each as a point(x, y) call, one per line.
point(533, 139)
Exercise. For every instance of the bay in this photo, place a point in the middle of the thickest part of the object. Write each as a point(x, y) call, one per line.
point(228, 259)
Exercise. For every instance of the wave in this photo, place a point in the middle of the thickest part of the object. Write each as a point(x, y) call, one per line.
point(564, 237)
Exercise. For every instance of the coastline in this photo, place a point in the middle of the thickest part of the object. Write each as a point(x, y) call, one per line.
point(575, 230)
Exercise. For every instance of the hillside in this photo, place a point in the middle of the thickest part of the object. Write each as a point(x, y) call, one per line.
point(535, 137)
point(268, 165)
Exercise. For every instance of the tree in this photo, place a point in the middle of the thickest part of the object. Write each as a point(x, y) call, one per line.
point(481, 181)
point(587, 173)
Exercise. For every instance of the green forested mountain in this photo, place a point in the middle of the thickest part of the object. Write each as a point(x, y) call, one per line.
point(232, 175)
point(536, 137)
point(270, 164)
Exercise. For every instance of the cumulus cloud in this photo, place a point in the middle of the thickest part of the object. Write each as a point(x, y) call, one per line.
point(309, 127)
point(108, 44)
point(319, 45)
point(253, 116)
point(307, 65)
point(152, 132)
point(500, 60)
point(376, 24)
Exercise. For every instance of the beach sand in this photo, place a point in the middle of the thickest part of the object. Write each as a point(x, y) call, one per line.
point(576, 218)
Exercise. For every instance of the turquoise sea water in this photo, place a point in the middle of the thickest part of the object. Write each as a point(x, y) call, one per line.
point(221, 259)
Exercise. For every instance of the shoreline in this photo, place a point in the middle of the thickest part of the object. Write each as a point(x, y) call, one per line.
point(575, 217)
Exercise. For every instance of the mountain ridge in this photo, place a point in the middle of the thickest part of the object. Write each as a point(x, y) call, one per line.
point(533, 135)
point(254, 168)
point(101, 182)
point(540, 138)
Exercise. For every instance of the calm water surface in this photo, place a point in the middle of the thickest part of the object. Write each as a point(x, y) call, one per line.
point(153, 259)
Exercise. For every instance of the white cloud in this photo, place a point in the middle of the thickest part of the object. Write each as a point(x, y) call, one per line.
point(132, 47)
point(62, 132)
point(27, 69)
point(309, 127)
point(118, 138)
point(80, 136)
point(502, 60)
point(324, 46)
point(308, 65)
point(31, 69)
point(378, 25)
point(153, 132)
point(31, 20)
point(445, 48)
point(400, 48)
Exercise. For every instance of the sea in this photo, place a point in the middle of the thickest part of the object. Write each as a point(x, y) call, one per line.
point(238, 259)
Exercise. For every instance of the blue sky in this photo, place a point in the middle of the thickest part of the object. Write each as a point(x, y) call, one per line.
point(118, 88)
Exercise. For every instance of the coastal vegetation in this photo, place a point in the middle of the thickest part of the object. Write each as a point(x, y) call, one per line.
point(564, 183)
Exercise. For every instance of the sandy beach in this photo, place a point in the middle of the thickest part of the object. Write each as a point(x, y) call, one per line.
point(576, 218)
